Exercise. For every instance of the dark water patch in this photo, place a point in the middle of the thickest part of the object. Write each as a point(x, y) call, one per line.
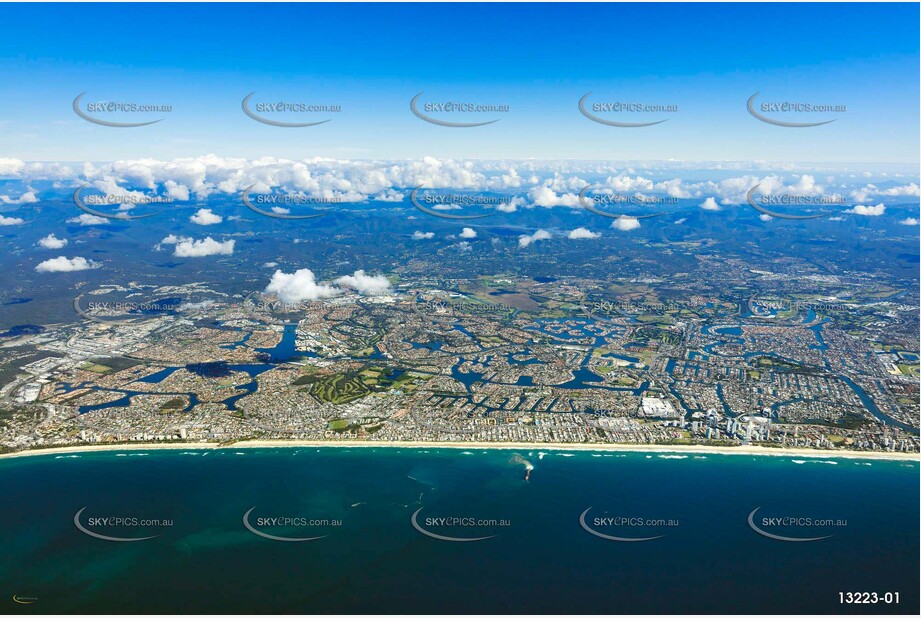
point(23, 329)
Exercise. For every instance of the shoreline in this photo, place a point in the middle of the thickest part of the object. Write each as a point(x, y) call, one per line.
point(530, 446)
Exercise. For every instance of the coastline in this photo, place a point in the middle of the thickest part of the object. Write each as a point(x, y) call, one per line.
point(529, 446)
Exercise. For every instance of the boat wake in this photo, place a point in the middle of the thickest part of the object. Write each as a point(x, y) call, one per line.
point(528, 466)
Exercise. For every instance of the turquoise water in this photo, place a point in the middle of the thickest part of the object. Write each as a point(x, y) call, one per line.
point(543, 560)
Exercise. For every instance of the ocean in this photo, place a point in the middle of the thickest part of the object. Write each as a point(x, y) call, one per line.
point(373, 549)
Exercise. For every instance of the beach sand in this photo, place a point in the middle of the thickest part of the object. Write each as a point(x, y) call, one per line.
point(518, 446)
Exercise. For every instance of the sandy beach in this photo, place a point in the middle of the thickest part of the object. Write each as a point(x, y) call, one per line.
point(518, 446)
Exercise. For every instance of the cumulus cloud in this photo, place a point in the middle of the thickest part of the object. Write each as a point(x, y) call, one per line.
point(176, 191)
point(545, 196)
point(765, 217)
point(909, 221)
point(88, 219)
point(52, 242)
point(710, 204)
point(365, 284)
point(805, 185)
point(11, 220)
point(468, 232)
point(417, 235)
point(203, 248)
point(525, 239)
point(389, 196)
point(204, 216)
point(863, 194)
point(582, 233)
point(26, 198)
point(909, 190)
point(625, 224)
point(867, 211)
point(539, 183)
point(65, 265)
point(270, 265)
point(11, 168)
point(298, 286)
point(511, 204)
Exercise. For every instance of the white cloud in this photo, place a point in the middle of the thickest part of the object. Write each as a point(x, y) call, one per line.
point(673, 188)
point(545, 196)
point(417, 235)
point(909, 189)
point(299, 286)
point(203, 248)
point(626, 184)
point(909, 221)
point(365, 284)
point(172, 239)
point(625, 224)
point(468, 232)
point(26, 198)
point(582, 233)
point(65, 265)
point(805, 186)
point(10, 167)
point(681, 220)
point(204, 216)
point(88, 219)
point(270, 265)
point(710, 204)
point(176, 190)
point(525, 240)
point(867, 211)
point(11, 220)
point(52, 242)
point(389, 196)
point(863, 194)
point(511, 205)
point(765, 217)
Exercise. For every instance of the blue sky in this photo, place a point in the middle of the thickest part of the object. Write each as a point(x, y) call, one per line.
point(538, 59)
